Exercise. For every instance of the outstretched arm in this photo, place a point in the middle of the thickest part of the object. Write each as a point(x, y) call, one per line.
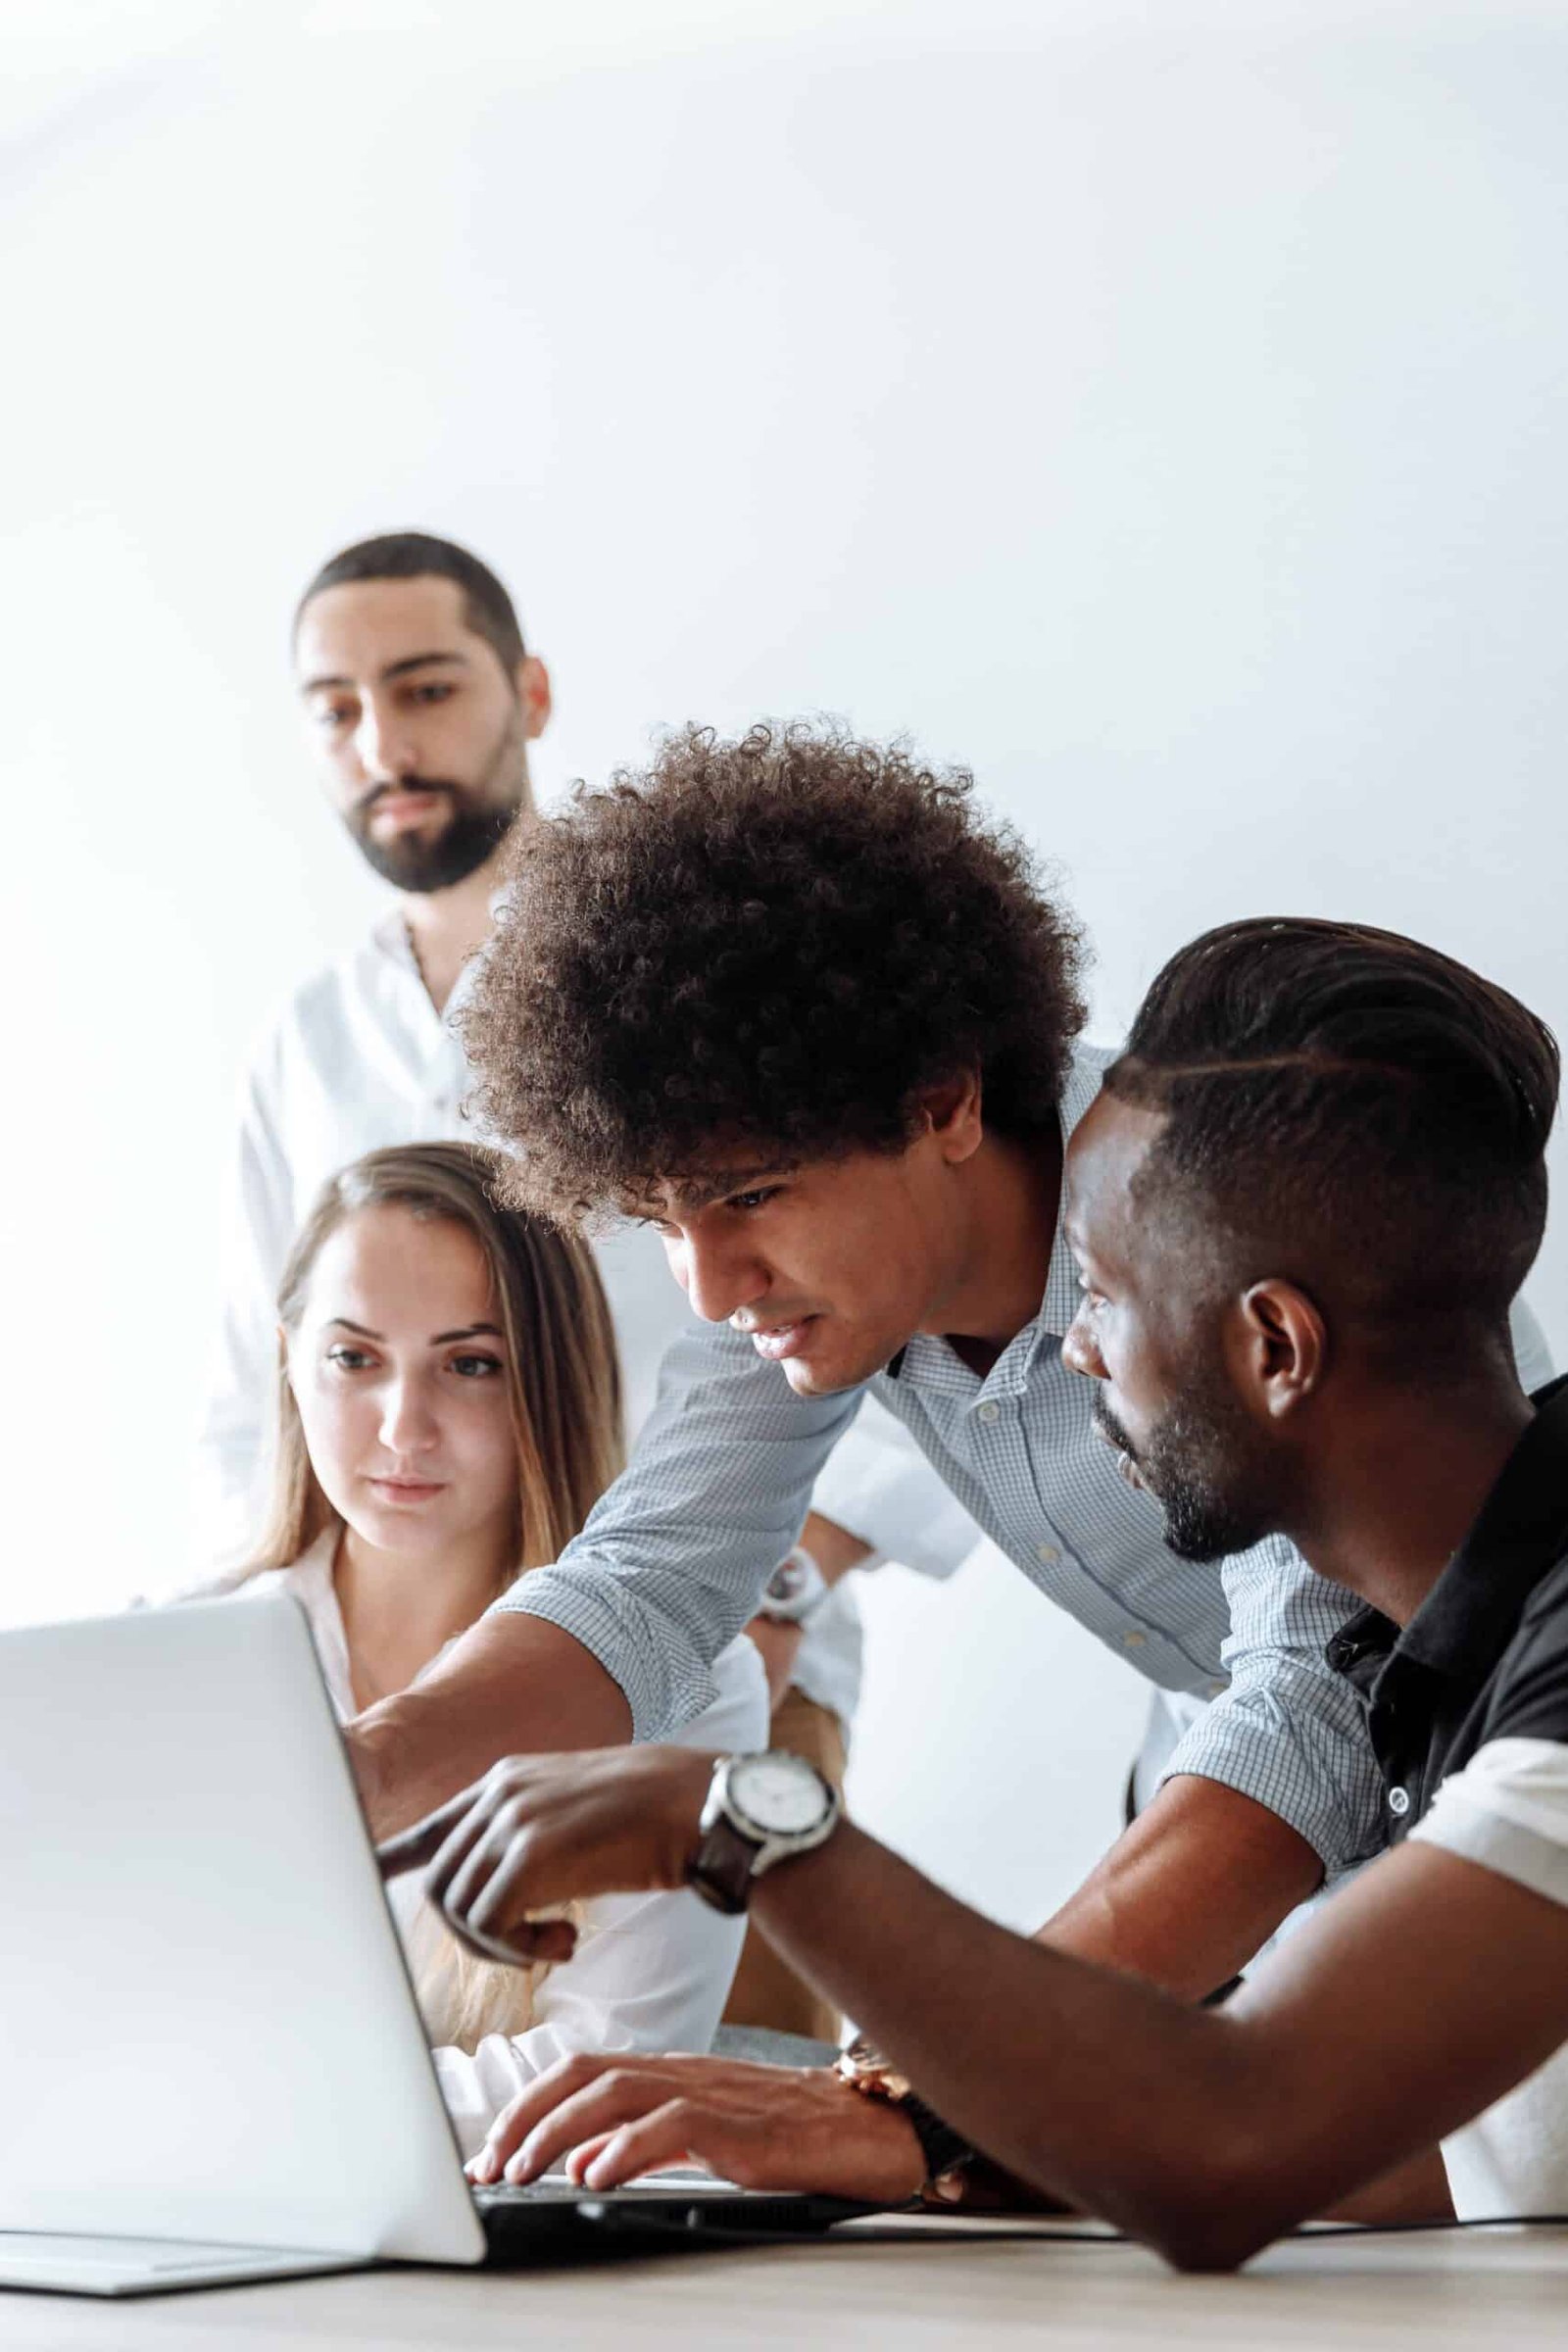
point(511, 1682)
point(1204, 2132)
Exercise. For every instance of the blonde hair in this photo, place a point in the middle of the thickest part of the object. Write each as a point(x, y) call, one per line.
point(563, 1386)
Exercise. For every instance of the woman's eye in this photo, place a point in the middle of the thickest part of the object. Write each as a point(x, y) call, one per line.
point(348, 1359)
point(475, 1367)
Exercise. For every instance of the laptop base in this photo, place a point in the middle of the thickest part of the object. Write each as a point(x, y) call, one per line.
point(55, 2263)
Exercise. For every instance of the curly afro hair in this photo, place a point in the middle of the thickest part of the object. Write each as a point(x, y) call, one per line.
point(764, 950)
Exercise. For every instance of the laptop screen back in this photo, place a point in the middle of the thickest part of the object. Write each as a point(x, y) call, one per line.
point(206, 2025)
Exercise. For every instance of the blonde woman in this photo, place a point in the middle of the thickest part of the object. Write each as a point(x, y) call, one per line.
point(448, 1414)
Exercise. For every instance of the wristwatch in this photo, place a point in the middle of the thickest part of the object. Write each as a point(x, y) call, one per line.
point(795, 1589)
point(864, 2069)
point(760, 1810)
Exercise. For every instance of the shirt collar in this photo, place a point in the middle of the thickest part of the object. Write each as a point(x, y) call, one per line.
point(1472, 1612)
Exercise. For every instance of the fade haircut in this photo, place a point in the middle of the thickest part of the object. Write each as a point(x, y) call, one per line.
point(757, 952)
point(487, 609)
point(1352, 1111)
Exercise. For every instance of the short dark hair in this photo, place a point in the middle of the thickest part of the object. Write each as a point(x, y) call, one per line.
point(487, 609)
point(1349, 1107)
point(772, 946)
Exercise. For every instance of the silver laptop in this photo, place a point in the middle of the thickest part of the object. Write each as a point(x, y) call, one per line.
point(213, 2065)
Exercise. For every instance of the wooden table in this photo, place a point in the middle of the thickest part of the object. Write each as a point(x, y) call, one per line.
point(1396, 2293)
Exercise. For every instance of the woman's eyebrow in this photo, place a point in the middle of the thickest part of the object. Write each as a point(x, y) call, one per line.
point(469, 1331)
point(361, 1330)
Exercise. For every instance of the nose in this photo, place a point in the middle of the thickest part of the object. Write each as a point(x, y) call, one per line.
point(408, 1424)
point(1080, 1349)
point(717, 1277)
point(381, 742)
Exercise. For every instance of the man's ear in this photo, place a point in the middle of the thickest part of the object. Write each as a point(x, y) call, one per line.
point(954, 1112)
point(1281, 1348)
point(532, 682)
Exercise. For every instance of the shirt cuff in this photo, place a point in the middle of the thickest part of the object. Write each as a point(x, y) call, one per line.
point(1265, 1761)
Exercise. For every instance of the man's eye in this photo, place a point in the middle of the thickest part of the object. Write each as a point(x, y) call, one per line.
point(755, 1200)
point(433, 693)
point(336, 714)
point(475, 1367)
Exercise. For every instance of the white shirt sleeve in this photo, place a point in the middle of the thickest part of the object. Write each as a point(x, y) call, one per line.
point(1531, 1354)
point(1508, 1811)
point(652, 1971)
point(235, 1432)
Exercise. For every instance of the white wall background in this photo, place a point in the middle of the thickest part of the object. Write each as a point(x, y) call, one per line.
point(1156, 406)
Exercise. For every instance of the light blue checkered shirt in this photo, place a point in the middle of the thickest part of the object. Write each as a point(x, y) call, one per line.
point(673, 1559)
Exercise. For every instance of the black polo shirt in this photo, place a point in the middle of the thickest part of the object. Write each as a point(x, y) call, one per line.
point(1485, 1655)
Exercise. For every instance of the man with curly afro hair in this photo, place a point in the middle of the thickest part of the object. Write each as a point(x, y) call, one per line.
point(791, 999)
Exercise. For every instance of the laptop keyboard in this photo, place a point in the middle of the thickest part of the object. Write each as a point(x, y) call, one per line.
point(556, 2188)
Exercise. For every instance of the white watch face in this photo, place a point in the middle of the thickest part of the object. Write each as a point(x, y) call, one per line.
point(781, 1795)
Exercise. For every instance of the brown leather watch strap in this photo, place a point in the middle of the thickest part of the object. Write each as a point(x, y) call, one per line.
point(721, 1872)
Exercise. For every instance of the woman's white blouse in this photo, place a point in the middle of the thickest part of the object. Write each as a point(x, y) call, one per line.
point(652, 1971)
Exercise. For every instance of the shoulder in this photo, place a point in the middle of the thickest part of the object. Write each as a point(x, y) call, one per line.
point(321, 1005)
point(260, 1586)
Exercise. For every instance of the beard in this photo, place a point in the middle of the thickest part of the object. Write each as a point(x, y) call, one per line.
point(473, 831)
point(1199, 1463)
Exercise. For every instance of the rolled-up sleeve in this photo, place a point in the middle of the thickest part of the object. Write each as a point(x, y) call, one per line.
point(673, 1558)
point(1288, 1730)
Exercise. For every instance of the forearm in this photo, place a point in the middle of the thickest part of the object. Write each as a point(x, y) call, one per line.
point(834, 1549)
point(1090, 2086)
point(515, 1685)
point(1190, 1893)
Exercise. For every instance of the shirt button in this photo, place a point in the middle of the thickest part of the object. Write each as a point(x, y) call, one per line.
point(1399, 1802)
point(1046, 1554)
point(1134, 1640)
point(989, 1412)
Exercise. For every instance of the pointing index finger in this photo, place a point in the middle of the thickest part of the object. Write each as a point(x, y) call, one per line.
point(412, 1848)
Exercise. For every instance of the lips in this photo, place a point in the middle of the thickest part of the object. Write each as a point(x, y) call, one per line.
point(776, 1342)
point(406, 1489)
point(1126, 1467)
point(404, 807)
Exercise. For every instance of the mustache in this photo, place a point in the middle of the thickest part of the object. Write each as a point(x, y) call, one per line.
point(1110, 1428)
point(377, 793)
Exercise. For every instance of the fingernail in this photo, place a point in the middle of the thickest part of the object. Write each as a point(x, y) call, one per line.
point(949, 2188)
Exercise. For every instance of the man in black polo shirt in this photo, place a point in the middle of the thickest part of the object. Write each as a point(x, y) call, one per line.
point(1300, 1210)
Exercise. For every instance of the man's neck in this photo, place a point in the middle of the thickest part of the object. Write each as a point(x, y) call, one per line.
point(446, 927)
point(1014, 1191)
point(1408, 1484)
